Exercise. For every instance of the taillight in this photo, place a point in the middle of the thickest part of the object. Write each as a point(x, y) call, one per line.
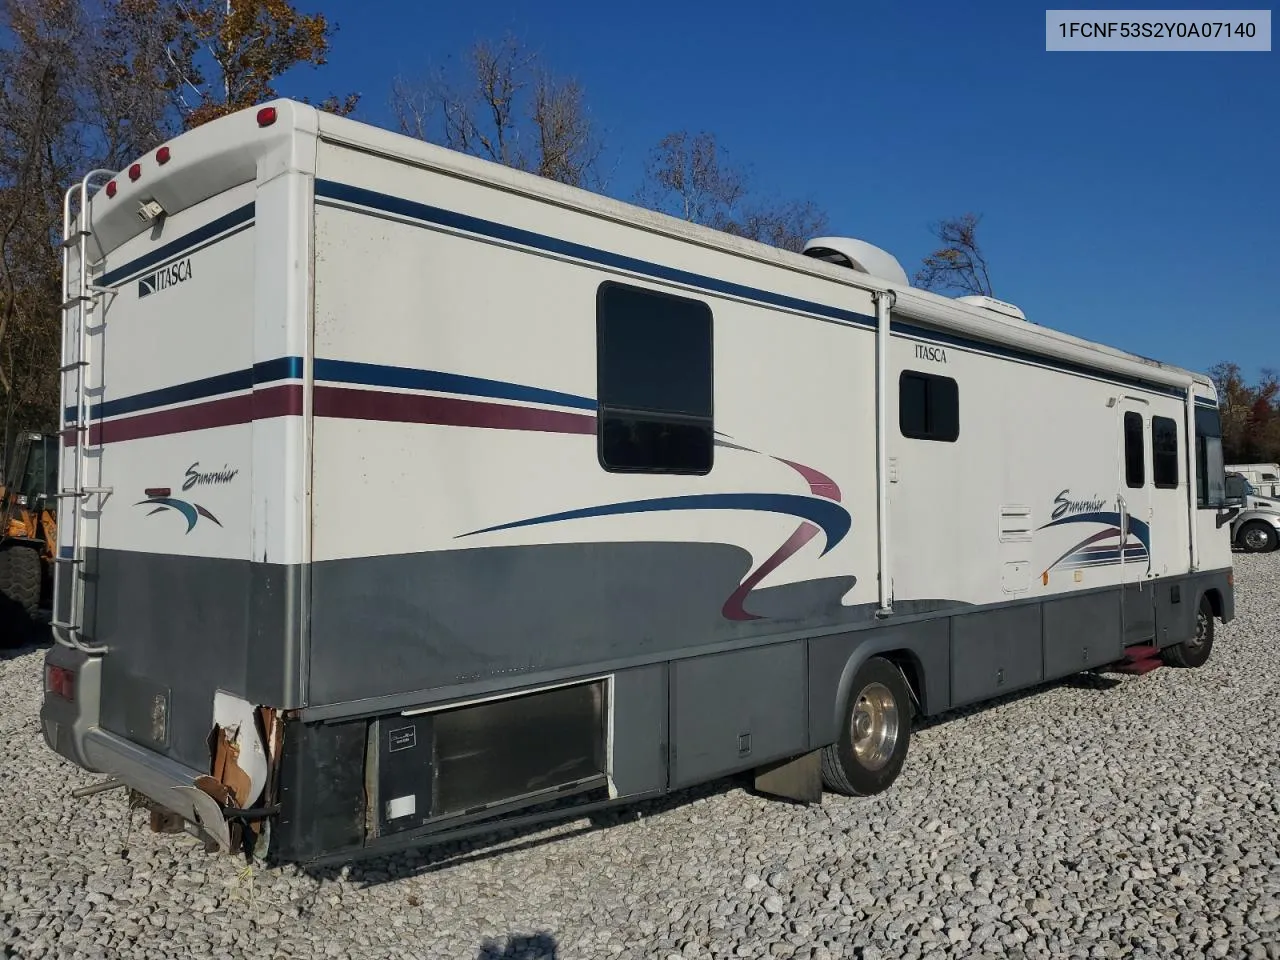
point(60, 681)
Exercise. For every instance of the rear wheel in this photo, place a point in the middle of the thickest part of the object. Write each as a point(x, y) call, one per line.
point(1194, 651)
point(872, 746)
point(20, 581)
point(1258, 537)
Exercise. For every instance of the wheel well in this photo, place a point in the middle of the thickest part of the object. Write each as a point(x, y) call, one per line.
point(1215, 602)
point(906, 661)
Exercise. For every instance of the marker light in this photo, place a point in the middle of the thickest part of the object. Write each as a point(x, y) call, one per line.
point(266, 116)
point(60, 681)
point(162, 156)
point(135, 171)
point(111, 189)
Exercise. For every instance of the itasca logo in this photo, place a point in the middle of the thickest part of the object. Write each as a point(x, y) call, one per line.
point(165, 278)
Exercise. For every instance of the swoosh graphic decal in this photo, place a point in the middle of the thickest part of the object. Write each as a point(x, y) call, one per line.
point(1128, 551)
point(733, 608)
point(833, 519)
point(184, 508)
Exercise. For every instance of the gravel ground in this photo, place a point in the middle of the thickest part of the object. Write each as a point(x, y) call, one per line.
point(1140, 820)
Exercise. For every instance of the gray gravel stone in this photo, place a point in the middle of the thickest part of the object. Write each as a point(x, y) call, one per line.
point(1080, 822)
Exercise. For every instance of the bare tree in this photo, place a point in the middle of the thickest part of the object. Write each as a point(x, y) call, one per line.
point(788, 225)
point(959, 263)
point(507, 108)
point(690, 176)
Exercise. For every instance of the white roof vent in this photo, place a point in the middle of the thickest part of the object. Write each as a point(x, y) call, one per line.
point(994, 305)
point(857, 255)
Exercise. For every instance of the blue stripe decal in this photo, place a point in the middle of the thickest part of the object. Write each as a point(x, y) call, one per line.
point(376, 375)
point(830, 516)
point(499, 231)
point(1011, 353)
point(1138, 527)
point(180, 245)
point(282, 368)
point(399, 206)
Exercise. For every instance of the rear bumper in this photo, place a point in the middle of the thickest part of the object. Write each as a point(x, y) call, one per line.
point(71, 730)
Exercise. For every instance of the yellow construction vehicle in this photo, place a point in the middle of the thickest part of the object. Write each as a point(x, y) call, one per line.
point(28, 534)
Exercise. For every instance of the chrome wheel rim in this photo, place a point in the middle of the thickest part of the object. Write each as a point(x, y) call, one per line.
point(874, 726)
point(1202, 631)
point(1256, 539)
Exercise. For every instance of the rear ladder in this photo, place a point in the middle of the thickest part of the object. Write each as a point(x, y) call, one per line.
point(74, 393)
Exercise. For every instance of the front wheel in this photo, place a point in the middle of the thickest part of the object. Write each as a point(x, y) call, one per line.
point(1194, 651)
point(1258, 537)
point(872, 746)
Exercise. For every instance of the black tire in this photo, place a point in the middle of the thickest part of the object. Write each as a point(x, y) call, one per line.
point(845, 768)
point(1258, 537)
point(20, 581)
point(1194, 651)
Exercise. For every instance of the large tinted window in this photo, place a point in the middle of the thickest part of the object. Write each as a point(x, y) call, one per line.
point(1134, 468)
point(1210, 471)
point(654, 381)
point(928, 406)
point(1164, 452)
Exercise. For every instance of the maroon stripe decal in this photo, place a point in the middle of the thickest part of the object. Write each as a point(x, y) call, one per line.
point(733, 608)
point(353, 404)
point(281, 401)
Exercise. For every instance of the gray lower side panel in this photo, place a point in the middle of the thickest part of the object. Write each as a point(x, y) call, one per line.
point(735, 710)
point(385, 625)
point(180, 628)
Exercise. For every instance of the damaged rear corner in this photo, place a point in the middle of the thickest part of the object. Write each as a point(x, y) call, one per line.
point(349, 785)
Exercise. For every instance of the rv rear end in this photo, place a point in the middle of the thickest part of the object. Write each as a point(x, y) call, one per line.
point(208, 507)
point(178, 597)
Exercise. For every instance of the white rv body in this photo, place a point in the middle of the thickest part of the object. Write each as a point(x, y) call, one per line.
point(345, 461)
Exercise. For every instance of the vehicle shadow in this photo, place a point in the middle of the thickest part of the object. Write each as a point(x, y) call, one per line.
point(19, 633)
point(390, 867)
point(538, 946)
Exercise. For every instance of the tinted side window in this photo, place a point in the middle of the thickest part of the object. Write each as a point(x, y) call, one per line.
point(1210, 472)
point(654, 381)
point(928, 406)
point(1134, 467)
point(1164, 452)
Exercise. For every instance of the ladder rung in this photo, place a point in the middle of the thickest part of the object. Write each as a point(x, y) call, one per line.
point(72, 240)
point(67, 560)
point(77, 299)
point(68, 367)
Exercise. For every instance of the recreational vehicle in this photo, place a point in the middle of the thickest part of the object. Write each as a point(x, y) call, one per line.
point(407, 494)
point(1264, 477)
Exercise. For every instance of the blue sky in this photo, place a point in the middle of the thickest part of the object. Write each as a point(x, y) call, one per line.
point(1131, 198)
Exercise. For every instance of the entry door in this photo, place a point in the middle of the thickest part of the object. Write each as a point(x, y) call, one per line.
point(1133, 502)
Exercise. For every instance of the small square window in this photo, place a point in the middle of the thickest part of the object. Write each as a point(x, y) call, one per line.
point(928, 407)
